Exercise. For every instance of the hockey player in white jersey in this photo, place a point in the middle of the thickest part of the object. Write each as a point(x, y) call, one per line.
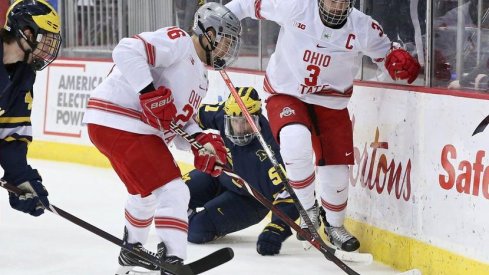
point(310, 80)
point(160, 77)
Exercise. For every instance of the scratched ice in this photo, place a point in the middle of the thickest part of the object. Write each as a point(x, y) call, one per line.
point(51, 245)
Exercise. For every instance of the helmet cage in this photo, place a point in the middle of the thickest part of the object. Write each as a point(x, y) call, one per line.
point(223, 49)
point(238, 130)
point(43, 21)
point(335, 12)
point(226, 48)
point(45, 50)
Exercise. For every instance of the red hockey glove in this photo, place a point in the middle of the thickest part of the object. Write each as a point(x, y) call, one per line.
point(213, 157)
point(401, 65)
point(158, 108)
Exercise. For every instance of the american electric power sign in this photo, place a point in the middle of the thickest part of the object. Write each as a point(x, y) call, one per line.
point(67, 92)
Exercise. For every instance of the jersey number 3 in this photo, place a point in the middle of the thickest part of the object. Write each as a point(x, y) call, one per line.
point(312, 80)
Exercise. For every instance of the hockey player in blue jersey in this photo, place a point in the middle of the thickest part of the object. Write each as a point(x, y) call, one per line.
point(29, 41)
point(227, 208)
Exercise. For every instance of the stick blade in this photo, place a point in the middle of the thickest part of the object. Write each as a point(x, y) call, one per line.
point(480, 128)
point(212, 260)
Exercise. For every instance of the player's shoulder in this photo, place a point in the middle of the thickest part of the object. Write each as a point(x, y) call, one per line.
point(213, 108)
point(359, 16)
point(298, 6)
point(294, 3)
point(291, 7)
point(361, 20)
point(209, 114)
point(172, 32)
point(171, 36)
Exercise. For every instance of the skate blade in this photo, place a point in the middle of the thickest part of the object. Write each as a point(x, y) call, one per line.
point(132, 270)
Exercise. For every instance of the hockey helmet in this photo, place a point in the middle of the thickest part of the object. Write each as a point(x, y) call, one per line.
point(236, 127)
point(223, 49)
point(44, 22)
point(334, 13)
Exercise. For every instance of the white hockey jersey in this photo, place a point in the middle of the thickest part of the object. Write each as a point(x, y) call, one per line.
point(166, 57)
point(315, 63)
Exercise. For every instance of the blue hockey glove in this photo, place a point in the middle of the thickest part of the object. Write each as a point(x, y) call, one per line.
point(271, 238)
point(30, 202)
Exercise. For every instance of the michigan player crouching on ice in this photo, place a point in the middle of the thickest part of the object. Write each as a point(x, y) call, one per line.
point(226, 207)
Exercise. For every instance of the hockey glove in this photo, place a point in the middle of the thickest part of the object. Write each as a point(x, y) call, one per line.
point(213, 157)
point(30, 202)
point(271, 238)
point(158, 108)
point(401, 65)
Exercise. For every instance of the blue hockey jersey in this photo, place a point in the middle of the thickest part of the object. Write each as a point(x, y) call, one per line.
point(251, 162)
point(16, 84)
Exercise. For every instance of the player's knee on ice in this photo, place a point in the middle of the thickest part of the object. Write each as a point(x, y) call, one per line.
point(227, 213)
point(201, 229)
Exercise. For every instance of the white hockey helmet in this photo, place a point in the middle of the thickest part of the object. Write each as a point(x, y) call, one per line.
point(223, 50)
point(334, 13)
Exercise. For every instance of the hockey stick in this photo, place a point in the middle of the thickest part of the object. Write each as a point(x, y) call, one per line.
point(482, 125)
point(338, 254)
point(208, 262)
point(328, 252)
point(276, 165)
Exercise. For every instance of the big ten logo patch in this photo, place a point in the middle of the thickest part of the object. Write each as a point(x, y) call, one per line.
point(299, 25)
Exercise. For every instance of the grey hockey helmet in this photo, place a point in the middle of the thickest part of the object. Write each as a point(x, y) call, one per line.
point(334, 13)
point(223, 49)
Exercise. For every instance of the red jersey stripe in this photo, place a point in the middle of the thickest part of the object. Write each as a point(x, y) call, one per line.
point(333, 207)
point(150, 50)
point(173, 223)
point(94, 103)
point(257, 9)
point(303, 183)
point(137, 222)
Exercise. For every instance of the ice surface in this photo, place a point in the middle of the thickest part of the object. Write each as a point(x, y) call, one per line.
point(51, 245)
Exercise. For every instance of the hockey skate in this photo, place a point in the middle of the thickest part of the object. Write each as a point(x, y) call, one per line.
point(339, 236)
point(132, 264)
point(313, 214)
point(174, 260)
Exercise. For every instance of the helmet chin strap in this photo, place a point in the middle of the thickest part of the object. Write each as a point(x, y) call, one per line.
point(210, 47)
point(27, 52)
point(206, 49)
